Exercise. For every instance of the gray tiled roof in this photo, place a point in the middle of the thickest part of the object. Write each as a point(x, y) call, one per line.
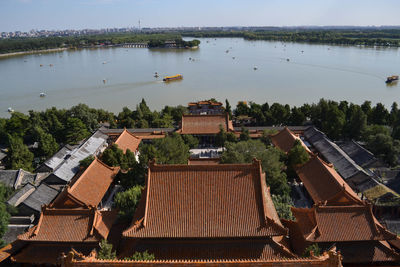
point(67, 163)
point(357, 153)
point(8, 177)
point(43, 195)
point(333, 153)
point(16, 178)
point(21, 194)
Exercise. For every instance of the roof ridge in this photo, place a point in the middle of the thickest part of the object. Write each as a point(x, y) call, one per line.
point(96, 160)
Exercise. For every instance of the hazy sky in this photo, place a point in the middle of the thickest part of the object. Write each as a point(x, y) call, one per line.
point(78, 14)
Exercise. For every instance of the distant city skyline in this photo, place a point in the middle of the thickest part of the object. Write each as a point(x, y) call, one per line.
point(25, 15)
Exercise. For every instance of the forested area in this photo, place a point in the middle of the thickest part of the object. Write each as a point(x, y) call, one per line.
point(369, 37)
point(42, 43)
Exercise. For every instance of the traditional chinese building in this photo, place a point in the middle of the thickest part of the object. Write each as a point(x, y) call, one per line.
point(205, 107)
point(127, 140)
point(89, 188)
point(325, 185)
point(61, 230)
point(353, 230)
point(285, 139)
point(209, 214)
point(205, 127)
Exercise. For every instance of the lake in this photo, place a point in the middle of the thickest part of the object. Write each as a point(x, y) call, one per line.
point(111, 78)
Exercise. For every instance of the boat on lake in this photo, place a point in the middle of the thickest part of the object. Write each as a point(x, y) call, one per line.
point(392, 78)
point(10, 110)
point(173, 78)
point(42, 95)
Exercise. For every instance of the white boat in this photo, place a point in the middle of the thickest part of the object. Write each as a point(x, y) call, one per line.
point(42, 94)
point(255, 68)
point(10, 110)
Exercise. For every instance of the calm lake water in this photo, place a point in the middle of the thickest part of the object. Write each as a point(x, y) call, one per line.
point(312, 72)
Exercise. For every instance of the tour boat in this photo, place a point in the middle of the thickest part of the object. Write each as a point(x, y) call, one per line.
point(392, 78)
point(42, 95)
point(10, 110)
point(173, 78)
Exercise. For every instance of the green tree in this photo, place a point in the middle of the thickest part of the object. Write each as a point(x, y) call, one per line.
point(169, 150)
point(357, 123)
point(5, 193)
point(298, 155)
point(87, 115)
point(141, 256)
point(75, 131)
point(283, 204)
point(47, 143)
point(19, 155)
point(228, 108)
point(271, 161)
point(86, 162)
point(18, 124)
point(106, 251)
point(127, 201)
point(265, 137)
point(113, 156)
point(379, 115)
point(220, 137)
point(244, 134)
point(312, 249)
point(191, 141)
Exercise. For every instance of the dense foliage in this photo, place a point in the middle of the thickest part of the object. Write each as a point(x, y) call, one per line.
point(41, 43)
point(5, 193)
point(169, 150)
point(127, 201)
point(338, 120)
point(141, 256)
point(272, 161)
point(106, 251)
point(370, 37)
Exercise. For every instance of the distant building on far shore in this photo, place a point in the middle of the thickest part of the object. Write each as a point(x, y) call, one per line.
point(206, 108)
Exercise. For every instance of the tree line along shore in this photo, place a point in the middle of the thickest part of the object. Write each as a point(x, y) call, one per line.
point(365, 37)
point(376, 126)
point(14, 45)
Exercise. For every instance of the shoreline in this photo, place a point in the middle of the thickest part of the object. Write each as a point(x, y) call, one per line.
point(13, 54)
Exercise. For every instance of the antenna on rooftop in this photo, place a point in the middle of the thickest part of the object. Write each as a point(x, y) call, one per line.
point(139, 25)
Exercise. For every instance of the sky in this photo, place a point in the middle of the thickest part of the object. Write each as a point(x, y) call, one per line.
point(24, 15)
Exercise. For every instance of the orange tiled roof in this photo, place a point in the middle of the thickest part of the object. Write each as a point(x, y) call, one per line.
point(203, 161)
point(323, 183)
point(205, 124)
point(70, 225)
point(206, 201)
point(340, 224)
point(285, 139)
point(127, 140)
point(89, 188)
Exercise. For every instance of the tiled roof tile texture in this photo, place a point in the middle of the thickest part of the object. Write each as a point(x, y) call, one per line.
point(127, 140)
point(204, 124)
point(323, 182)
point(340, 223)
point(285, 139)
point(93, 183)
point(72, 225)
point(204, 201)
